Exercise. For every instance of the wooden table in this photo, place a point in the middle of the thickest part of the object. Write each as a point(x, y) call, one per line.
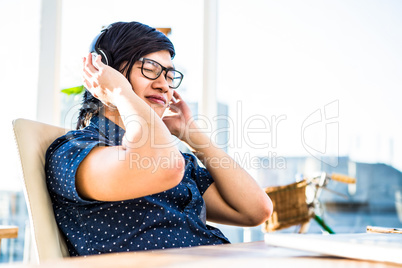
point(249, 255)
point(8, 232)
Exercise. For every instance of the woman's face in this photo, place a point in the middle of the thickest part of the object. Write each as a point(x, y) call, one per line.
point(156, 93)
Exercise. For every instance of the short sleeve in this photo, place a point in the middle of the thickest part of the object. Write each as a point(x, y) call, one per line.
point(199, 174)
point(63, 157)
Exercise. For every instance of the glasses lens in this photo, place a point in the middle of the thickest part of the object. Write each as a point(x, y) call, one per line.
point(151, 69)
point(174, 78)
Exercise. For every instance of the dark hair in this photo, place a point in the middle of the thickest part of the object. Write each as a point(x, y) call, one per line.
point(124, 42)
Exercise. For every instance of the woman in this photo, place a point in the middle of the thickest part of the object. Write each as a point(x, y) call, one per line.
point(119, 183)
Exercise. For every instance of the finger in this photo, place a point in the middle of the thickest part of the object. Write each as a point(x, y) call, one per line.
point(98, 62)
point(88, 66)
point(176, 95)
point(174, 109)
point(84, 60)
point(89, 80)
point(86, 74)
point(87, 85)
point(172, 101)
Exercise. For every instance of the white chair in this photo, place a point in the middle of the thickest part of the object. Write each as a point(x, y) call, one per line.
point(33, 138)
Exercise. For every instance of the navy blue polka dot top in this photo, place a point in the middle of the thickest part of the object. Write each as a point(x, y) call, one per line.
point(170, 219)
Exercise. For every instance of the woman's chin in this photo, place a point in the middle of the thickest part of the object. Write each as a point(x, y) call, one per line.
point(160, 111)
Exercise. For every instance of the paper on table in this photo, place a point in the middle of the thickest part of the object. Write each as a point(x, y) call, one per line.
point(365, 246)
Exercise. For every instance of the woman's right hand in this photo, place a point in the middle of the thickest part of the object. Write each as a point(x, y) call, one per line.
point(102, 81)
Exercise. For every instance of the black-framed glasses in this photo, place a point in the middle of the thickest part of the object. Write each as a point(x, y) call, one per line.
point(152, 70)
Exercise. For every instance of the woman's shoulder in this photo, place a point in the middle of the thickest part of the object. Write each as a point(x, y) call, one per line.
point(74, 135)
point(74, 138)
point(189, 157)
point(192, 162)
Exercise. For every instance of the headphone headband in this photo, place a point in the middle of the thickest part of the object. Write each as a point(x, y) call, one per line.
point(95, 48)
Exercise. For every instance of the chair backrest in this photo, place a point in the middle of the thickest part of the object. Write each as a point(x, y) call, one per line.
point(33, 139)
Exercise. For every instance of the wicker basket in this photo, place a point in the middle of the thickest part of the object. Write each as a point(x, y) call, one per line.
point(290, 207)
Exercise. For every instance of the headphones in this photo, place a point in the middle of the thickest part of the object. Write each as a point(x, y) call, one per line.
point(95, 49)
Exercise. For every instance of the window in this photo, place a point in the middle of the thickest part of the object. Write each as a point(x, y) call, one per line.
point(313, 86)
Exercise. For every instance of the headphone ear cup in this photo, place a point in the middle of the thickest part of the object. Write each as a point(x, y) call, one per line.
point(95, 47)
point(105, 58)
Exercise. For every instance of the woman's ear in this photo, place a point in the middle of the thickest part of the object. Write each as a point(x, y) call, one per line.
point(123, 68)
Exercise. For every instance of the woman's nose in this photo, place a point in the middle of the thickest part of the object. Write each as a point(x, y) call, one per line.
point(161, 83)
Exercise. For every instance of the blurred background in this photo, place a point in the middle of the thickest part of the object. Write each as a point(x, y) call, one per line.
point(288, 88)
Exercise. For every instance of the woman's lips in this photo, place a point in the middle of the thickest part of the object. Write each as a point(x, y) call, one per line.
point(157, 99)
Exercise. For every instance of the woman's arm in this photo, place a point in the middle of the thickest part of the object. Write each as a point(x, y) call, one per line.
point(235, 197)
point(115, 173)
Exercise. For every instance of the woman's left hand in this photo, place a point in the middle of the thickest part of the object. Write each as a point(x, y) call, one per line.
point(234, 197)
point(178, 118)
